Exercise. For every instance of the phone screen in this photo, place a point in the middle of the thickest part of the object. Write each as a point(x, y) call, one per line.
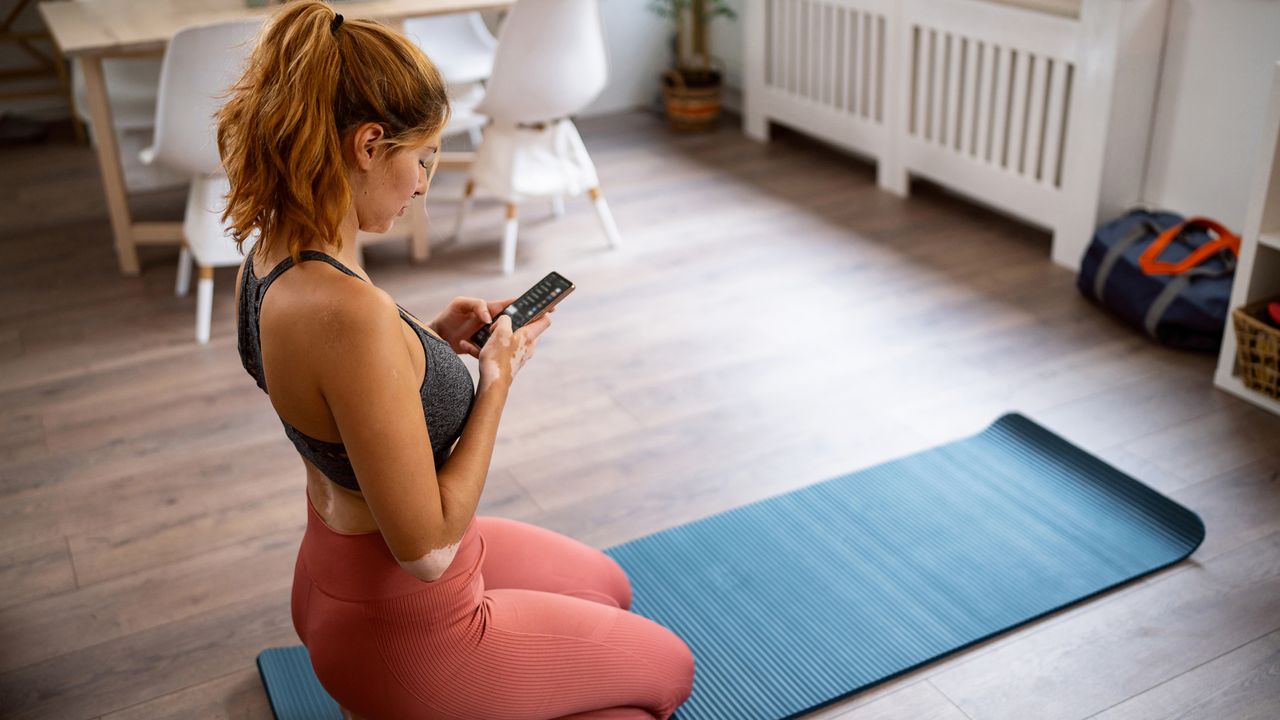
point(526, 308)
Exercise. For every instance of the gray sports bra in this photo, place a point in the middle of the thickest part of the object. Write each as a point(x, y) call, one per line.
point(447, 391)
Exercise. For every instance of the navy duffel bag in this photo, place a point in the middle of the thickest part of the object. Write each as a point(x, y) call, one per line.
point(1167, 276)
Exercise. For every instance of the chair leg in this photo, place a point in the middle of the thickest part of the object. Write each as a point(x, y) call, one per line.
point(557, 206)
point(463, 207)
point(183, 284)
point(606, 218)
point(204, 304)
point(419, 238)
point(509, 240)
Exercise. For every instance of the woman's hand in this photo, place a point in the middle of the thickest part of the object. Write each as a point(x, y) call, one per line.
point(505, 352)
point(462, 317)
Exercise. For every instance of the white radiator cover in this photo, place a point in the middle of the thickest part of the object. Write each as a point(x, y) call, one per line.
point(1043, 116)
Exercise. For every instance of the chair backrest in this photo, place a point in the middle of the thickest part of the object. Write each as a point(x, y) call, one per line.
point(458, 43)
point(132, 84)
point(550, 61)
point(200, 65)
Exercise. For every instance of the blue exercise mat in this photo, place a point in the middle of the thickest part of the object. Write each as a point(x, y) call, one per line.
point(292, 686)
point(796, 601)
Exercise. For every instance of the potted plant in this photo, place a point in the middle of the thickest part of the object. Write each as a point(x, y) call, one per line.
point(691, 90)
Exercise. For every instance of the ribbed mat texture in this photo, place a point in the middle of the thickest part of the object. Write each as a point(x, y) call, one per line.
point(292, 687)
point(798, 600)
point(795, 601)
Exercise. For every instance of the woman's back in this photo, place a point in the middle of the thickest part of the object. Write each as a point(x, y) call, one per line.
point(295, 327)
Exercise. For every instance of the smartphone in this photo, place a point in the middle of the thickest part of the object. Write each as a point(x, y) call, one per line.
point(530, 306)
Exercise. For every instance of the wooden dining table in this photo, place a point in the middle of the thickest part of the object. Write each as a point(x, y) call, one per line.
point(86, 31)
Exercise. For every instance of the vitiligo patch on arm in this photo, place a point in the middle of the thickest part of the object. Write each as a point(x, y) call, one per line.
point(432, 566)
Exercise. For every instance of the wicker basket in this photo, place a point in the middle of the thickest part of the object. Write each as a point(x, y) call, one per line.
point(690, 109)
point(1257, 349)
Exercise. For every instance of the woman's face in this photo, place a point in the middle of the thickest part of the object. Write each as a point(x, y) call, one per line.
point(395, 177)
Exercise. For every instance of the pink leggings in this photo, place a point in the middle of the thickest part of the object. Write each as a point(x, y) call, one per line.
point(526, 624)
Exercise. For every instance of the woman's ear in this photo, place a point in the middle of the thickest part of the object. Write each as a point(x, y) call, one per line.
point(364, 144)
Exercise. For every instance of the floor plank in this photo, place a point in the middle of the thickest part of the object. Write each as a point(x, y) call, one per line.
point(145, 665)
point(1128, 646)
point(1240, 684)
point(58, 625)
point(921, 701)
point(237, 696)
point(33, 571)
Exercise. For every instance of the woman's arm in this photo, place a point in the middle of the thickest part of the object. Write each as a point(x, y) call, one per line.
point(369, 384)
point(462, 478)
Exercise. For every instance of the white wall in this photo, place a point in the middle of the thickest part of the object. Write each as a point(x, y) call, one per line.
point(726, 43)
point(1218, 64)
point(637, 42)
point(639, 51)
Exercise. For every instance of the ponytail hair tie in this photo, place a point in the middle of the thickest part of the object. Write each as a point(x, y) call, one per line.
point(337, 23)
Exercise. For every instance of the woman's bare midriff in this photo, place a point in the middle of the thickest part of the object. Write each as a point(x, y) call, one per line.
point(341, 509)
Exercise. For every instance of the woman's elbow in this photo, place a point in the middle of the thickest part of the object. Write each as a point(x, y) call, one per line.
point(431, 566)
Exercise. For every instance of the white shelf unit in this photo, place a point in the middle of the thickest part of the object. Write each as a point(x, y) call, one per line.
point(1258, 273)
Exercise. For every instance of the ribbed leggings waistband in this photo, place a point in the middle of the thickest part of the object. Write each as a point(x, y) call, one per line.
point(359, 567)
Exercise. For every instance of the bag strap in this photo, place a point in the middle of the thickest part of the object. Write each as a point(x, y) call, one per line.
point(1142, 229)
point(1150, 260)
point(1166, 298)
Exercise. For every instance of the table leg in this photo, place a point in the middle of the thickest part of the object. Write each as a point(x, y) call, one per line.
point(109, 164)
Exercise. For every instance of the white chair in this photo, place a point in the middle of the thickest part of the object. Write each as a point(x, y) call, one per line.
point(132, 88)
point(549, 64)
point(463, 117)
point(200, 64)
point(459, 45)
point(462, 49)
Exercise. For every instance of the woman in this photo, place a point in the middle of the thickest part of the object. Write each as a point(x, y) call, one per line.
point(410, 605)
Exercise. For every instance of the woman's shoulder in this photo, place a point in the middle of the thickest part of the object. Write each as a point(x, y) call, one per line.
point(349, 304)
point(333, 323)
point(331, 304)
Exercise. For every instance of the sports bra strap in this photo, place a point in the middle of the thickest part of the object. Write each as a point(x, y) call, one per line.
point(303, 256)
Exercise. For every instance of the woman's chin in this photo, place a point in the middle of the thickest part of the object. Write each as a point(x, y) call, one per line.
point(379, 228)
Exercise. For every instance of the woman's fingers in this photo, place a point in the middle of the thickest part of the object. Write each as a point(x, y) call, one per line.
point(496, 306)
point(469, 348)
point(537, 327)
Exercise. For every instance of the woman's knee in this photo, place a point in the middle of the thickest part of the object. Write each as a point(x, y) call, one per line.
point(615, 713)
point(685, 669)
point(534, 558)
point(677, 668)
point(617, 584)
point(608, 584)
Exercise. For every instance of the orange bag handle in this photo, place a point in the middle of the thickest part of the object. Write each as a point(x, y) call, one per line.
point(1150, 260)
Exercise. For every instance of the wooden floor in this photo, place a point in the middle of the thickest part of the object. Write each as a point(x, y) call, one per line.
point(774, 320)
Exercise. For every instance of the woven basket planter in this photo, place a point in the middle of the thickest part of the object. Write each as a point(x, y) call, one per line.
point(690, 109)
point(1257, 349)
